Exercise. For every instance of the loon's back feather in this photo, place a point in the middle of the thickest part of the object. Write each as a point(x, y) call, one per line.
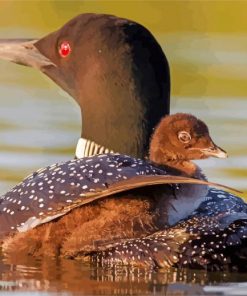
point(213, 238)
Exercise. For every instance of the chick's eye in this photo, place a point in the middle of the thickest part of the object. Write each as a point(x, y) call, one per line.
point(184, 137)
point(64, 49)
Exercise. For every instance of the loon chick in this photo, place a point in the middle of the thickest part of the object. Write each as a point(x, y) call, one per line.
point(59, 210)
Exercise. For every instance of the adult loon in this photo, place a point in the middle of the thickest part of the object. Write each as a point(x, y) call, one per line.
point(59, 210)
point(130, 80)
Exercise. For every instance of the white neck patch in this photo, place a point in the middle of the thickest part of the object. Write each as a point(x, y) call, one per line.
point(86, 148)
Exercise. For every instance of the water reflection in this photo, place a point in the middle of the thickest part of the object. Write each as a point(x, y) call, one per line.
point(66, 275)
point(72, 277)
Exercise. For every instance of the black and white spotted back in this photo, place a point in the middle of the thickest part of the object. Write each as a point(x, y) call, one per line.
point(55, 190)
point(214, 237)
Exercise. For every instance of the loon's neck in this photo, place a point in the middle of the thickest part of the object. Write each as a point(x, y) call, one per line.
point(85, 148)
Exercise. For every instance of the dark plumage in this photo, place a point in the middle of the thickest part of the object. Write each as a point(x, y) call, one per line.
point(214, 242)
point(53, 192)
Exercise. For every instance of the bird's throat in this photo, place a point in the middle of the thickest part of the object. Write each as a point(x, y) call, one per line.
point(85, 148)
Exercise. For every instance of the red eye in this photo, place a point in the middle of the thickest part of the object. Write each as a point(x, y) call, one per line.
point(64, 49)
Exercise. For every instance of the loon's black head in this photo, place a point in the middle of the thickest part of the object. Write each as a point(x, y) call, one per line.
point(113, 67)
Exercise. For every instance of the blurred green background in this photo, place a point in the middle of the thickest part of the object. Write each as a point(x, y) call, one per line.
point(205, 43)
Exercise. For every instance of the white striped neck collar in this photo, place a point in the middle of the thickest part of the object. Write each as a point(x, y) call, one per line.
point(86, 148)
